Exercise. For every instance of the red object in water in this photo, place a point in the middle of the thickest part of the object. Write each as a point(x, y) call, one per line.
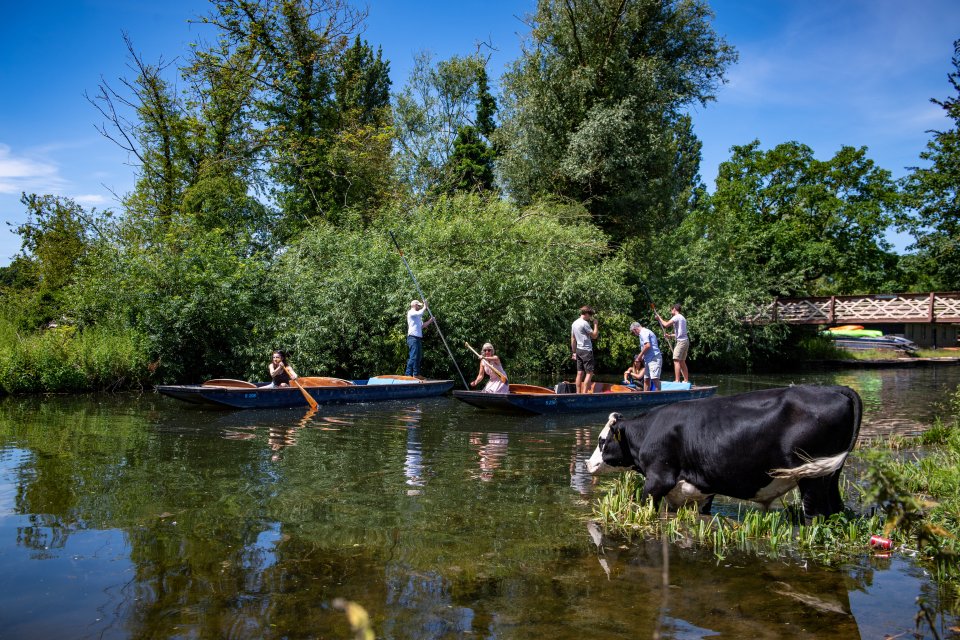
point(879, 542)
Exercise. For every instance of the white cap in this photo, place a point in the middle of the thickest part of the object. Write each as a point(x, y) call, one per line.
point(415, 302)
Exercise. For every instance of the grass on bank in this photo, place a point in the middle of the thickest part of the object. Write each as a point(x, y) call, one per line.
point(67, 359)
point(909, 492)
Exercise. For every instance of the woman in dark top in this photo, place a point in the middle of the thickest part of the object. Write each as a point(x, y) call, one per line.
point(280, 371)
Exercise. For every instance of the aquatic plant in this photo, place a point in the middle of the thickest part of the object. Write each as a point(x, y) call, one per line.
point(775, 532)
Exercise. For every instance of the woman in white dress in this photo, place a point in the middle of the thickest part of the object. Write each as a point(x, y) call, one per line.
point(492, 368)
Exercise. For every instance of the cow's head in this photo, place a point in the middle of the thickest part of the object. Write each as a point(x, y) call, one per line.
point(612, 453)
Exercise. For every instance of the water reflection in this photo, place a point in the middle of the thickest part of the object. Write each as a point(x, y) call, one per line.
point(580, 479)
point(138, 517)
point(491, 449)
point(413, 462)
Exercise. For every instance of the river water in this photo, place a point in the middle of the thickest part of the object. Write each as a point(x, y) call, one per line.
point(138, 516)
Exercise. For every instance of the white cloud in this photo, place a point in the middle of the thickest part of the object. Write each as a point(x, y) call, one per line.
point(24, 173)
point(89, 200)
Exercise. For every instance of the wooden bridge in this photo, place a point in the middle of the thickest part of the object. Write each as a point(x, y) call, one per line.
point(879, 308)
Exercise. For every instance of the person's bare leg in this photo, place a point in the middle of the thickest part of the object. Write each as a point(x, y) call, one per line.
point(684, 371)
point(586, 383)
point(579, 381)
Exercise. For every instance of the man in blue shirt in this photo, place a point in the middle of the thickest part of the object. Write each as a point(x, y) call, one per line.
point(652, 358)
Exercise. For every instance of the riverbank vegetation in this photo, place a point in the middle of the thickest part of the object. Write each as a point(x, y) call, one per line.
point(273, 163)
point(904, 489)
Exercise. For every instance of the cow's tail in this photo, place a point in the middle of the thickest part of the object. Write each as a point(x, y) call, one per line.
point(812, 468)
point(820, 467)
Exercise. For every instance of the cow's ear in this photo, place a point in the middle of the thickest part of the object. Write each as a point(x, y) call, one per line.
point(616, 434)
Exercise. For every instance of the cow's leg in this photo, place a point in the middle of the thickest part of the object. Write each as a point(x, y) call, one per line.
point(658, 482)
point(706, 505)
point(821, 496)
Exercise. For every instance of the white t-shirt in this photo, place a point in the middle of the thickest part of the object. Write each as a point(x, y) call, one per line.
point(680, 326)
point(581, 331)
point(415, 322)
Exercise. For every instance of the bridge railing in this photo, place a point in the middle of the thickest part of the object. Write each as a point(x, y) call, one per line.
point(934, 307)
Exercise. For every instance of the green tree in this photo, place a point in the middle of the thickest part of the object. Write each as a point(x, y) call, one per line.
point(55, 239)
point(196, 293)
point(429, 112)
point(780, 223)
point(933, 193)
point(594, 109)
point(470, 167)
point(362, 85)
point(490, 272)
point(361, 156)
point(297, 45)
point(156, 136)
point(805, 226)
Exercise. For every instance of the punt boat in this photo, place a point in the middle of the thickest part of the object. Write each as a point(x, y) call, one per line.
point(240, 394)
point(533, 400)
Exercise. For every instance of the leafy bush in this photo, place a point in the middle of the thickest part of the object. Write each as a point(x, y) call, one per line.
point(490, 272)
point(194, 293)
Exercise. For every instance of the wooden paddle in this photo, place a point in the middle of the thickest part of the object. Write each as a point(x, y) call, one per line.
point(502, 377)
point(310, 401)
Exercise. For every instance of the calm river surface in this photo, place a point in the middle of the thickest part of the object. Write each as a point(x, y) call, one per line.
point(141, 517)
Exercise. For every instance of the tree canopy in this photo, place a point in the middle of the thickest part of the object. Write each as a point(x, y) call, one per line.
point(933, 193)
point(594, 107)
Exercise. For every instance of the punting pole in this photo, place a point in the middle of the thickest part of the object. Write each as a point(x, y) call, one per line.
point(653, 309)
point(436, 323)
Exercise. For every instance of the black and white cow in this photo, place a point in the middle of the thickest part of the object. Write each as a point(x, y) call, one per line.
point(752, 446)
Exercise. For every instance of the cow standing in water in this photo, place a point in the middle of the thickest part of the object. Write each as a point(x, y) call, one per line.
point(752, 446)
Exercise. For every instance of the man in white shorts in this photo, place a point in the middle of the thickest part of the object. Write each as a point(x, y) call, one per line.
point(680, 350)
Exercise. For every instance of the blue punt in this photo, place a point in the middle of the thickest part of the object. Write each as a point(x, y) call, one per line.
point(528, 399)
point(238, 394)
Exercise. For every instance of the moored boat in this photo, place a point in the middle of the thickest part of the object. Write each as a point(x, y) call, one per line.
point(530, 399)
point(240, 394)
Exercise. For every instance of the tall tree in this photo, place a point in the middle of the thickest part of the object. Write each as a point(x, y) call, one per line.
point(429, 112)
point(933, 192)
point(361, 155)
point(470, 167)
point(594, 107)
point(55, 239)
point(148, 120)
point(297, 45)
point(803, 226)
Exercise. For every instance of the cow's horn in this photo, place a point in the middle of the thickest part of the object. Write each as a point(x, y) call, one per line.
point(614, 419)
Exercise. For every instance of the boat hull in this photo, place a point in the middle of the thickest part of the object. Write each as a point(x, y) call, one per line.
point(263, 397)
point(538, 404)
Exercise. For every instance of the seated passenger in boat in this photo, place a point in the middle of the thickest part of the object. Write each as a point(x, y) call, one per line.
point(633, 377)
point(280, 372)
point(492, 368)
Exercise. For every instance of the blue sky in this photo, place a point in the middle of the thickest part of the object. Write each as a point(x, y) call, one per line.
point(826, 73)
